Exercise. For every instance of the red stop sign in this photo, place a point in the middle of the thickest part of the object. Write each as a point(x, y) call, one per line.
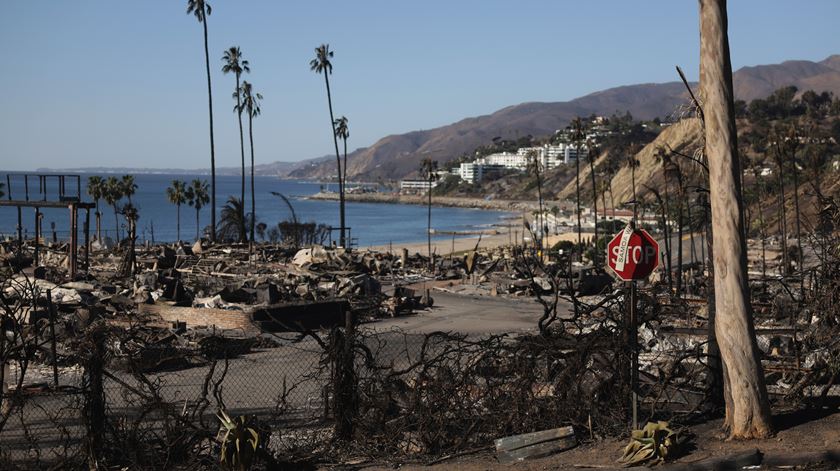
point(633, 254)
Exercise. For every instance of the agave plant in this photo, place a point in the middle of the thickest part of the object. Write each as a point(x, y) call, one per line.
point(654, 443)
point(239, 443)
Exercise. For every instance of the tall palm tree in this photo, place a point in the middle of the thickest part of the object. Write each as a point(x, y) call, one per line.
point(177, 195)
point(201, 9)
point(250, 103)
point(95, 188)
point(577, 138)
point(322, 64)
point(591, 154)
point(235, 64)
point(129, 187)
point(633, 163)
point(535, 167)
point(792, 141)
point(778, 154)
point(112, 194)
point(664, 159)
point(428, 170)
point(343, 132)
point(197, 197)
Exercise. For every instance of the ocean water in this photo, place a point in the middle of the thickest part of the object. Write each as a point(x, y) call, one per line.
point(370, 223)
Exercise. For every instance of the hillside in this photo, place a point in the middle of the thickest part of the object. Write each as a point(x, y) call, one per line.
point(397, 156)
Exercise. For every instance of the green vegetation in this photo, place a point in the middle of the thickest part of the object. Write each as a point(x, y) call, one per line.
point(177, 195)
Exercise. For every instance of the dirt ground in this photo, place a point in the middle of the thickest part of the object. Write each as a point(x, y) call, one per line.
point(797, 433)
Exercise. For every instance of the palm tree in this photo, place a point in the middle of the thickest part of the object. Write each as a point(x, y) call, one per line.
point(792, 141)
point(201, 9)
point(112, 194)
point(129, 187)
point(343, 132)
point(232, 219)
point(197, 197)
point(535, 167)
point(577, 138)
point(591, 153)
point(95, 188)
point(322, 64)
point(177, 195)
point(663, 158)
point(428, 170)
point(779, 158)
point(250, 102)
point(233, 63)
point(633, 163)
point(131, 215)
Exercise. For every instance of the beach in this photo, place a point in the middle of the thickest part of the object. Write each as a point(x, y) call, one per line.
point(444, 201)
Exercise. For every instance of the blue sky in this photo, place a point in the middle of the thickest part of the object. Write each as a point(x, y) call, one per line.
point(95, 82)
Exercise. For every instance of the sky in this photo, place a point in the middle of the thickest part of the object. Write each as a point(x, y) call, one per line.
point(104, 83)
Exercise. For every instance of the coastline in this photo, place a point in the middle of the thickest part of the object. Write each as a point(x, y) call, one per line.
point(440, 201)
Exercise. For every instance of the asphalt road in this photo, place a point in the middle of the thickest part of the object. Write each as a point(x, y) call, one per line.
point(288, 377)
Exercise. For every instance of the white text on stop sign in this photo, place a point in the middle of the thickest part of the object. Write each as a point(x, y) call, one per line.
point(637, 253)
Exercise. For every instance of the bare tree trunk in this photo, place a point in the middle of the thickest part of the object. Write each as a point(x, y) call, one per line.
point(747, 407)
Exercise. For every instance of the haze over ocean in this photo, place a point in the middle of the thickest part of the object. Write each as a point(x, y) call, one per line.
point(371, 223)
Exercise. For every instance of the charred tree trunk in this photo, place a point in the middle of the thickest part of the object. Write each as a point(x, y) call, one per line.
point(747, 407)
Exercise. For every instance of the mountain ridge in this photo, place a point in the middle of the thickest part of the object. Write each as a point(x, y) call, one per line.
point(398, 155)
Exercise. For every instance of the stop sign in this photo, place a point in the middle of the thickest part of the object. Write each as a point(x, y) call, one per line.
point(632, 254)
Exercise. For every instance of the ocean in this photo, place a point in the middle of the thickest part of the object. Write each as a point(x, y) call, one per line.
point(370, 223)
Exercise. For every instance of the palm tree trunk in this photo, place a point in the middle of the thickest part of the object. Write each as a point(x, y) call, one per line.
point(782, 215)
point(242, 236)
point(577, 201)
point(429, 225)
point(337, 162)
point(595, 208)
point(635, 199)
point(344, 169)
point(212, 141)
point(198, 226)
point(98, 222)
point(668, 244)
point(253, 192)
point(178, 222)
point(798, 214)
point(747, 407)
point(679, 247)
point(116, 225)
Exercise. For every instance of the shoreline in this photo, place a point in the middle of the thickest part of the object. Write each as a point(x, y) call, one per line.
point(438, 201)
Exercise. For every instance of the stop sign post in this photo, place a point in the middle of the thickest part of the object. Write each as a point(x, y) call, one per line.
point(633, 255)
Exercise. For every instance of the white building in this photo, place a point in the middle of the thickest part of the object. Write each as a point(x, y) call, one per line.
point(417, 185)
point(518, 161)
